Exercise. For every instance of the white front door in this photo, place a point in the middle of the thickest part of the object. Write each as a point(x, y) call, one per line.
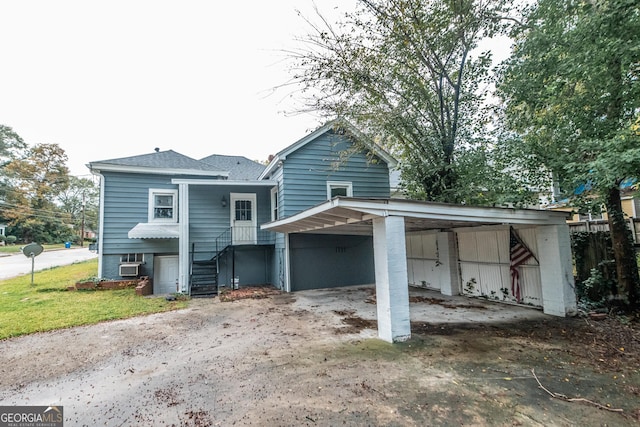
point(243, 218)
point(165, 274)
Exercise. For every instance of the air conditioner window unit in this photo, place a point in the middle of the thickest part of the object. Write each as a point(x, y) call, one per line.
point(129, 269)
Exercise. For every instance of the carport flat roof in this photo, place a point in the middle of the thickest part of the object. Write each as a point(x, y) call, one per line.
point(351, 215)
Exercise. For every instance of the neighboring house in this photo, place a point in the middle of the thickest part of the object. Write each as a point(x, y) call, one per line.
point(89, 234)
point(3, 228)
point(319, 215)
point(598, 221)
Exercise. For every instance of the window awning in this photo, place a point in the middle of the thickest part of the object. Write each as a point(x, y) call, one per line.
point(147, 230)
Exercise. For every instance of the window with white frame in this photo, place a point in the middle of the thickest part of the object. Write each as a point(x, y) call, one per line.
point(132, 258)
point(589, 216)
point(163, 205)
point(274, 203)
point(339, 188)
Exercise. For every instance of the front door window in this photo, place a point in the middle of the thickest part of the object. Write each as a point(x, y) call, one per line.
point(243, 218)
point(243, 210)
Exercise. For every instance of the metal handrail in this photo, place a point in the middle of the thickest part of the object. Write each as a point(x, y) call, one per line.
point(226, 239)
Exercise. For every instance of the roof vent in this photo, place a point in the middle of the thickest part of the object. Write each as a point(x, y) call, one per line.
point(157, 150)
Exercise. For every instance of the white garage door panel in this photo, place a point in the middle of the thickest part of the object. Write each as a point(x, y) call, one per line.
point(484, 280)
point(429, 246)
point(467, 247)
point(531, 285)
point(484, 266)
point(422, 260)
point(414, 246)
point(423, 273)
point(487, 246)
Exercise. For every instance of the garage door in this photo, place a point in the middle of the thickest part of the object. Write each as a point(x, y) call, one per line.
point(484, 266)
point(329, 261)
point(422, 260)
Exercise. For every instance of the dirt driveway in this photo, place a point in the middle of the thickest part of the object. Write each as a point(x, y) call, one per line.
point(311, 358)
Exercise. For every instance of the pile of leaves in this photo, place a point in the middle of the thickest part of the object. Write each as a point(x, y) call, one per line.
point(247, 292)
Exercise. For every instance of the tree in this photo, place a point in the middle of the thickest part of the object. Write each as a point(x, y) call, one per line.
point(572, 92)
point(404, 72)
point(80, 201)
point(36, 179)
point(11, 147)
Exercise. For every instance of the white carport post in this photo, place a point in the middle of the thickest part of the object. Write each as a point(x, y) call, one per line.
point(392, 282)
point(183, 242)
point(556, 272)
point(448, 258)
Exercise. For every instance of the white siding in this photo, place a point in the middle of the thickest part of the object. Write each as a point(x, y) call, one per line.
point(484, 265)
point(422, 260)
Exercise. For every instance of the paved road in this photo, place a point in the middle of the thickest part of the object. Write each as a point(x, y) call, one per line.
point(18, 264)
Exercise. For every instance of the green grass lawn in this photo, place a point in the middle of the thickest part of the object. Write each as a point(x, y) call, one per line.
point(47, 305)
point(12, 249)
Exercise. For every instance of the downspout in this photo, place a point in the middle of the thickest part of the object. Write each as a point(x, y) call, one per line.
point(287, 275)
point(183, 239)
point(101, 226)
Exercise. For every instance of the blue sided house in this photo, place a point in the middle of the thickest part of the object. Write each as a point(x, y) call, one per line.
point(193, 225)
point(319, 215)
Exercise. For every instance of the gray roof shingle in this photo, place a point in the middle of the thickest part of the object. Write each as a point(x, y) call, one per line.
point(239, 168)
point(162, 160)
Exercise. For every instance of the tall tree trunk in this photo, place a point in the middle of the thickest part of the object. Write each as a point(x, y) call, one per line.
point(623, 250)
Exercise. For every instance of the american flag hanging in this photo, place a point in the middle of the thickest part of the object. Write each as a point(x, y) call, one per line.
point(518, 255)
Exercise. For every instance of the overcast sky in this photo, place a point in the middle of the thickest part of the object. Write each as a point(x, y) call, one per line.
point(109, 79)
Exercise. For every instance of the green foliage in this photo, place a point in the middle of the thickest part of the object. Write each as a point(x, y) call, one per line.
point(11, 239)
point(404, 72)
point(33, 181)
point(595, 290)
point(47, 305)
point(572, 90)
point(11, 145)
point(40, 201)
point(80, 200)
point(15, 249)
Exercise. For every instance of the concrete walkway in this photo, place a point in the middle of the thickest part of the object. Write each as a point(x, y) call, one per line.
point(18, 264)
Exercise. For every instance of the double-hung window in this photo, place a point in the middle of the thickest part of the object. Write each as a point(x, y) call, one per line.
point(163, 205)
point(274, 203)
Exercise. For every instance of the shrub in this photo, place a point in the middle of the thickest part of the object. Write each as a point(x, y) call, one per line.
point(596, 290)
point(3, 237)
point(11, 239)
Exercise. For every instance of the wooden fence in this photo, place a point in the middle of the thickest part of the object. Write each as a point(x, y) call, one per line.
point(603, 225)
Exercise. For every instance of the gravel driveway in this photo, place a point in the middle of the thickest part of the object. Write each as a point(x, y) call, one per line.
point(310, 358)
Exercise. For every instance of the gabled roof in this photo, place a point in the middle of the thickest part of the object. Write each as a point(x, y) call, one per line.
point(158, 162)
point(239, 168)
point(332, 125)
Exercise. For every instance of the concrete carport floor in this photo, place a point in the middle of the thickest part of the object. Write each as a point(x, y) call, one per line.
point(425, 306)
point(388, 221)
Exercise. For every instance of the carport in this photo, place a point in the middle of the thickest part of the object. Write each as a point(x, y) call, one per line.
point(390, 220)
